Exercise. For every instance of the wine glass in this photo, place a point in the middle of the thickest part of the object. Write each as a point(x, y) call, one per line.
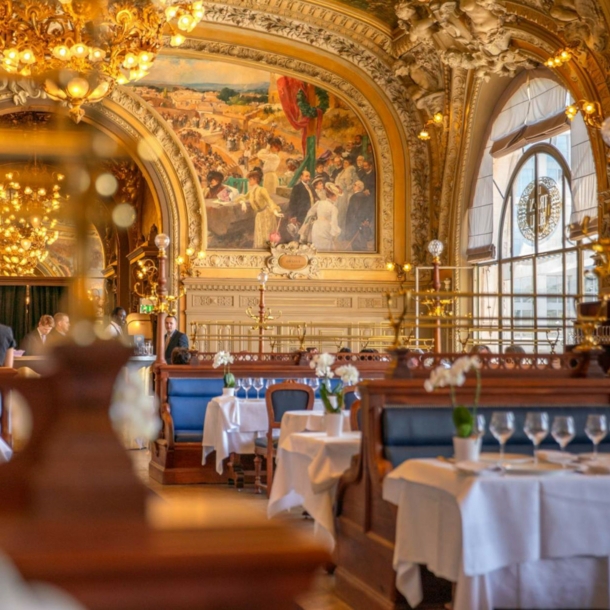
point(563, 430)
point(596, 429)
point(259, 384)
point(315, 384)
point(502, 427)
point(536, 428)
point(239, 385)
point(247, 385)
point(479, 425)
point(271, 382)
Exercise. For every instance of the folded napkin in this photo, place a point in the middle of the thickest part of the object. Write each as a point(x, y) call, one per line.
point(555, 456)
point(476, 468)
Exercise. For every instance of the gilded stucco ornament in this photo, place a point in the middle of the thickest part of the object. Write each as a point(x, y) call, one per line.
point(469, 34)
point(294, 260)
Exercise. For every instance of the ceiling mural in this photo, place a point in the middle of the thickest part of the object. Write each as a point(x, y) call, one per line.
point(279, 160)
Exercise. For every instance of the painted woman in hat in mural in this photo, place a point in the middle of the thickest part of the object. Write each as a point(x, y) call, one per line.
point(320, 226)
point(267, 211)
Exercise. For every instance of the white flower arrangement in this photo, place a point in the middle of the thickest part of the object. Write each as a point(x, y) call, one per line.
point(348, 375)
point(225, 359)
point(322, 363)
point(452, 377)
point(134, 413)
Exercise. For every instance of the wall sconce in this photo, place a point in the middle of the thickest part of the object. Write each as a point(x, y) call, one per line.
point(591, 112)
point(402, 271)
point(563, 56)
point(438, 120)
point(185, 263)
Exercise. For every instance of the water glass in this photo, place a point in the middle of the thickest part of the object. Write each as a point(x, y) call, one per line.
point(479, 425)
point(563, 430)
point(247, 385)
point(502, 426)
point(259, 384)
point(596, 429)
point(537, 429)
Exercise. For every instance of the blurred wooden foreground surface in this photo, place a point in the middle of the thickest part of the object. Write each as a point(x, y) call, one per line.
point(74, 514)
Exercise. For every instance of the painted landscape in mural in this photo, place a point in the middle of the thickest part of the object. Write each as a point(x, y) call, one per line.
point(278, 159)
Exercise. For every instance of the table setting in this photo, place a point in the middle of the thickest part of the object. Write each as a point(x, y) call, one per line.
point(511, 530)
point(310, 464)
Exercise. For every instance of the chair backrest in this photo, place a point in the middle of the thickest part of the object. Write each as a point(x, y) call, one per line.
point(355, 415)
point(287, 396)
point(349, 396)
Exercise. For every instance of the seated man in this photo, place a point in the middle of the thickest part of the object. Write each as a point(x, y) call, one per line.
point(33, 343)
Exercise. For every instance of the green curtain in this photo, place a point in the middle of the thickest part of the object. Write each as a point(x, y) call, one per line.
point(12, 310)
point(44, 300)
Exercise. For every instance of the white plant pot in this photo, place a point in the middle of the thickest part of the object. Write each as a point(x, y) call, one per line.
point(467, 449)
point(228, 391)
point(334, 424)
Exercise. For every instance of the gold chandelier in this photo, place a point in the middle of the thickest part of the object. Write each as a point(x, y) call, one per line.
point(80, 49)
point(28, 217)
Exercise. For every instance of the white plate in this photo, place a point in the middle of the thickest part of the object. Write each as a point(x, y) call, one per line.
point(509, 458)
point(542, 468)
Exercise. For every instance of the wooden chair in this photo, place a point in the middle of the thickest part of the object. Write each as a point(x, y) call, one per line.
point(354, 416)
point(280, 398)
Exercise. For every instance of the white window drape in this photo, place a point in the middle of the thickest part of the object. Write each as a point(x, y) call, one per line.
point(537, 100)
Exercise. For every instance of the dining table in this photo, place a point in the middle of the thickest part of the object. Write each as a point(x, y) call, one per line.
point(509, 537)
point(233, 424)
point(308, 468)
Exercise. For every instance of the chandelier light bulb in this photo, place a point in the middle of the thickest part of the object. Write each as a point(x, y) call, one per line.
point(201, 255)
point(190, 252)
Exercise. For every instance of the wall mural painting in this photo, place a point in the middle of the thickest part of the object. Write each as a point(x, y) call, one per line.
point(279, 159)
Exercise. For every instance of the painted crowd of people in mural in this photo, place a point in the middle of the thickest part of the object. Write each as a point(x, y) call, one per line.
point(278, 159)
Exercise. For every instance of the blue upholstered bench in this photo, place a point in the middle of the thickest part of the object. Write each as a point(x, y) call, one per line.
point(188, 400)
point(428, 432)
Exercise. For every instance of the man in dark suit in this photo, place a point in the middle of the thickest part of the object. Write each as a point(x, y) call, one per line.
point(59, 334)
point(301, 199)
point(173, 338)
point(34, 342)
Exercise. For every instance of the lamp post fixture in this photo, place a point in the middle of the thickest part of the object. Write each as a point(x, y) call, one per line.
point(435, 248)
point(162, 242)
point(264, 315)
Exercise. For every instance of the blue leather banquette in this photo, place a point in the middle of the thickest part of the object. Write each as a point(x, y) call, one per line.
point(428, 432)
point(188, 400)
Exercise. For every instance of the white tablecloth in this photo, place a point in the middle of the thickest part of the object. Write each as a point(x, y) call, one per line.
point(232, 424)
point(310, 421)
point(309, 466)
point(507, 541)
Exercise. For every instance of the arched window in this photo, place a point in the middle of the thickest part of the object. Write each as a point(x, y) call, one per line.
point(535, 188)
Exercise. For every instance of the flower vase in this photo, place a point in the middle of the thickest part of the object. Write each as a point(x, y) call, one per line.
point(467, 449)
point(333, 421)
point(228, 391)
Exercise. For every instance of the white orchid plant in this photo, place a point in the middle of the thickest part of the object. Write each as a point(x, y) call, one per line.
point(452, 377)
point(348, 374)
point(225, 359)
